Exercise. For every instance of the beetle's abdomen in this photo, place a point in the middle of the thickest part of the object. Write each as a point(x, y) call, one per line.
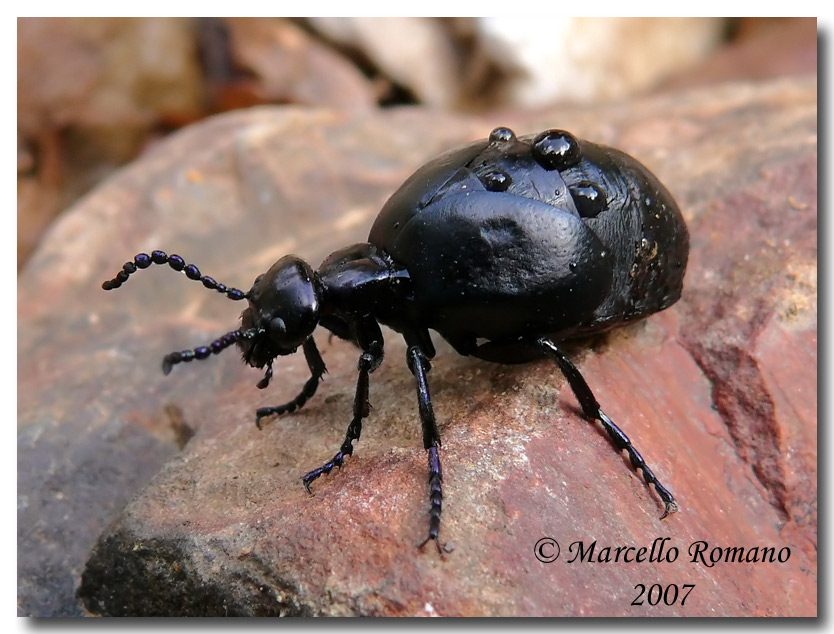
point(541, 234)
point(495, 265)
point(644, 230)
point(419, 190)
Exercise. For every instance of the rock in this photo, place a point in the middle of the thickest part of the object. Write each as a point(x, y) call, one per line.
point(293, 67)
point(116, 72)
point(91, 93)
point(582, 60)
point(418, 53)
point(764, 48)
point(718, 392)
point(94, 92)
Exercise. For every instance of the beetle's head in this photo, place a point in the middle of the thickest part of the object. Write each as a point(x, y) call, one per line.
point(282, 314)
point(283, 310)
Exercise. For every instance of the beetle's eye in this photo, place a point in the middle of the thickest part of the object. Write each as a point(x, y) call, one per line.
point(277, 327)
point(496, 181)
point(590, 200)
point(556, 150)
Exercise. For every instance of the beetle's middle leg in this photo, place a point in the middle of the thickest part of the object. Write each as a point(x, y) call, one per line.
point(591, 409)
point(317, 370)
point(368, 335)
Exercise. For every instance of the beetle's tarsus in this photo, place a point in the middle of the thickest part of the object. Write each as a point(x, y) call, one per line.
point(436, 541)
point(336, 461)
point(260, 414)
point(306, 483)
point(368, 361)
point(591, 409)
point(669, 508)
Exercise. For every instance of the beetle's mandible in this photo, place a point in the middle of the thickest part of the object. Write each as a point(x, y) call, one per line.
point(504, 247)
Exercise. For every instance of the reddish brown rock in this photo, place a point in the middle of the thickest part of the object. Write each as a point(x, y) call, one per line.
point(290, 66)
point(718, 393)
point(91, 93)
point(763, 48)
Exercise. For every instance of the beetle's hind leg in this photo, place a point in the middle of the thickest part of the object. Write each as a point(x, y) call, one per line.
point(419, 366)
point(317, 370)
point(370, 337)
point(591, 409)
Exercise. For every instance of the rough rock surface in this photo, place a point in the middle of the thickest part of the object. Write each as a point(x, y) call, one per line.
point(718, 392)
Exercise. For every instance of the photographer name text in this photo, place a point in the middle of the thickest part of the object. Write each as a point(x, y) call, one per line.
point(661, 550)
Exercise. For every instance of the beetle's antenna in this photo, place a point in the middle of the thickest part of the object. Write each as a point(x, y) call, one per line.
point(143, 261)
point(215, 347)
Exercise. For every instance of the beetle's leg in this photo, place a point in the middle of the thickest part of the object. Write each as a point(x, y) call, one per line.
point(419, 365)
point(264, 382)
point(591, 408)
point(369, 336)
point(317, 369)
point(338, 327)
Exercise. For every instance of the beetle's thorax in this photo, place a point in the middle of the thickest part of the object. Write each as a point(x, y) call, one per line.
point(362, 280)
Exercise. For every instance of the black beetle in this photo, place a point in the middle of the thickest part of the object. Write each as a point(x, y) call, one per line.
point(503, 246)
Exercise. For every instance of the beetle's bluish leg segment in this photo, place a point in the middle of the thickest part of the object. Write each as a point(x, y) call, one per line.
point(419, 365)
point(369, 336)
point(591, 409)
point(317, 370)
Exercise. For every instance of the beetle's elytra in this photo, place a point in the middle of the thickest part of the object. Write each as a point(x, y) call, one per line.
point(505, 247)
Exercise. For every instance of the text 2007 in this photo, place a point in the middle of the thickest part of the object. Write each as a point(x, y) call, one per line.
point(668, 595)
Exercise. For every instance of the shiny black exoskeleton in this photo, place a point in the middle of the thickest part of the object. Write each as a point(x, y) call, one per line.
point(504, 246)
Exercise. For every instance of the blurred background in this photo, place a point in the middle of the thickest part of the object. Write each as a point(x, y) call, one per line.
point(94, 93)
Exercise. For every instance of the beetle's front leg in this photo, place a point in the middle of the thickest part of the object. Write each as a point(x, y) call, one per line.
point(317, 370)
point(591, 409)
point(369, 336)
point(419, 365)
